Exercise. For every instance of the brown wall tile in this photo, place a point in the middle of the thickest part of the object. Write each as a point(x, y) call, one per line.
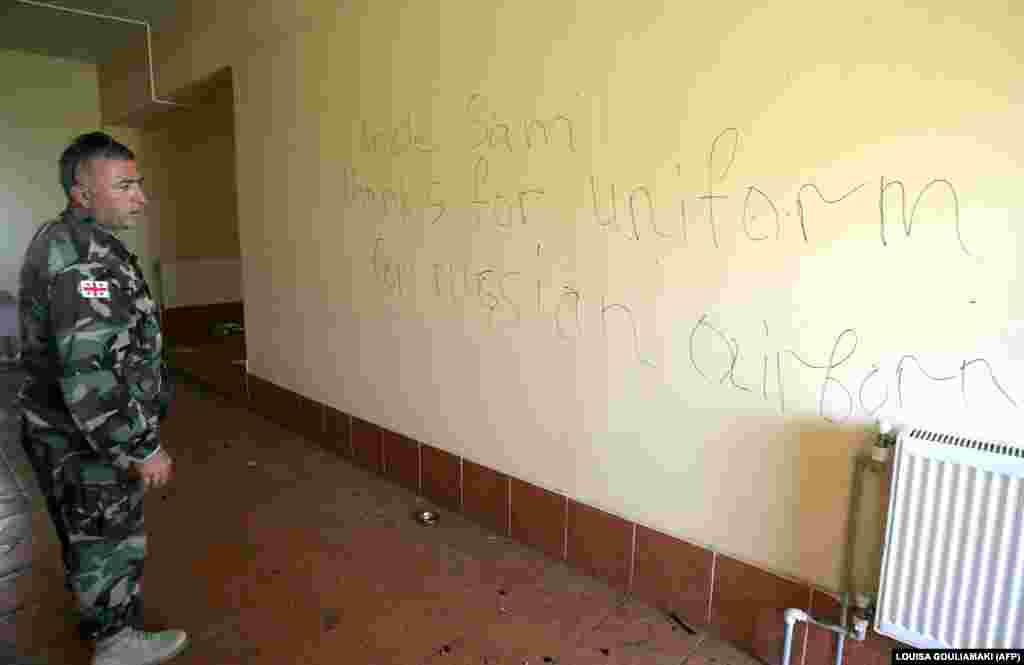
point(442, 477)
point(485, 496)
point(338, 434)
point(192, 325)
point(308, 419)
point(538, 518)
point(286, 408)
point(600, 544)
point(821, 643)
point(673, 575)
point(401, 459)
point(366, 450)
point(263, 395)
point(747, 607)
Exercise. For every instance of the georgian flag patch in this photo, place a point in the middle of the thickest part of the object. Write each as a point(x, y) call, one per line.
point(90, 288)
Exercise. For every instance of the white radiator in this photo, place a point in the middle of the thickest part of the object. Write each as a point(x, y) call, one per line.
point(953, 564)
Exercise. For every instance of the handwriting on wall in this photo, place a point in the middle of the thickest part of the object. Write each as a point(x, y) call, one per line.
point(836, 401)
point(638, 212)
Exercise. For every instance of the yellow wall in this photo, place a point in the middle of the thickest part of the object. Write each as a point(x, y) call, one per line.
point(191, 157)
point(676, 373)
point(124, 84)
point(190, 169)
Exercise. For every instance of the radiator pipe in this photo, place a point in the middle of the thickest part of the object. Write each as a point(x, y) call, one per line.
point(859, 629)
point(792, 615)
point(842, 622)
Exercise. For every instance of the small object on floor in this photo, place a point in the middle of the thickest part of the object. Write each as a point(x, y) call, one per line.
point(331, 619)
point(680, 623)
point(427, 517)
point(226, 328)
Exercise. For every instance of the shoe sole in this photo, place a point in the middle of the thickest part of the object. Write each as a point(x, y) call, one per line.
point(177, 652)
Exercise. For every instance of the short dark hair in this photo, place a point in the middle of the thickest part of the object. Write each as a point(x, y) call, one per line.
point(85, 148)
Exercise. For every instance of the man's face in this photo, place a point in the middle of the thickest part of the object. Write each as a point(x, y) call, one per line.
point(112, 188)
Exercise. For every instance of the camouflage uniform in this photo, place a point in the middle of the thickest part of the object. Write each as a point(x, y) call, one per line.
point(91, 405)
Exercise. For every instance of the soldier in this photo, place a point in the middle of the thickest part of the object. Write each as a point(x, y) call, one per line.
point(95, 394)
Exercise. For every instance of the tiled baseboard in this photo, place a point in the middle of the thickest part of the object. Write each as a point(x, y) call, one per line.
point(191, 346)
point(192, 325)
point(739, 602)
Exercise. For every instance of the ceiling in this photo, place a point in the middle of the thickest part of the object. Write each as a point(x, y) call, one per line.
point(72, 36)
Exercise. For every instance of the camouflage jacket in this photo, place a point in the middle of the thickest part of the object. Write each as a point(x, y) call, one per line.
point(91, 342)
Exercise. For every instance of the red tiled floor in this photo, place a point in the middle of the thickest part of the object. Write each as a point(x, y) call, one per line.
point(270, 550)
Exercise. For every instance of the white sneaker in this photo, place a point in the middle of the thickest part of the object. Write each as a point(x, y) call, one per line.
point(137, 647)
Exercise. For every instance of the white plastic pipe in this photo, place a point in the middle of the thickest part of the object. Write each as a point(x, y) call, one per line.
point(792, 615)
point(149, 39)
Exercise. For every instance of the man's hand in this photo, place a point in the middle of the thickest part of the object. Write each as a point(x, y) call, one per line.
point(156, 471)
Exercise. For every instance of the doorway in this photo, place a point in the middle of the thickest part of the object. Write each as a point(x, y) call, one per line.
point(188, 159)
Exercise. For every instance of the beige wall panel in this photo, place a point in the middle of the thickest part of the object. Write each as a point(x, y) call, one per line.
point(707, 358)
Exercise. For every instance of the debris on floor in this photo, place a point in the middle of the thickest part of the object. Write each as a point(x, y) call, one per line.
point(679, 623)
point(330, 619)
point(330, 562)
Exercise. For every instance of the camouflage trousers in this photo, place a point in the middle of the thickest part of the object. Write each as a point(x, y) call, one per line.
point(96, 510)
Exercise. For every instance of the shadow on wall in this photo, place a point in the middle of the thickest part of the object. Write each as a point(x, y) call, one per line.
point(840, 512)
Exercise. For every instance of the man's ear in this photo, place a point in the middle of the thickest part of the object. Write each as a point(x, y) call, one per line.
point(80, 195)
point(81, 192)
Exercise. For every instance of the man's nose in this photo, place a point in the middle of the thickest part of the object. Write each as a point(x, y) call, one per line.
point(140, 196)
